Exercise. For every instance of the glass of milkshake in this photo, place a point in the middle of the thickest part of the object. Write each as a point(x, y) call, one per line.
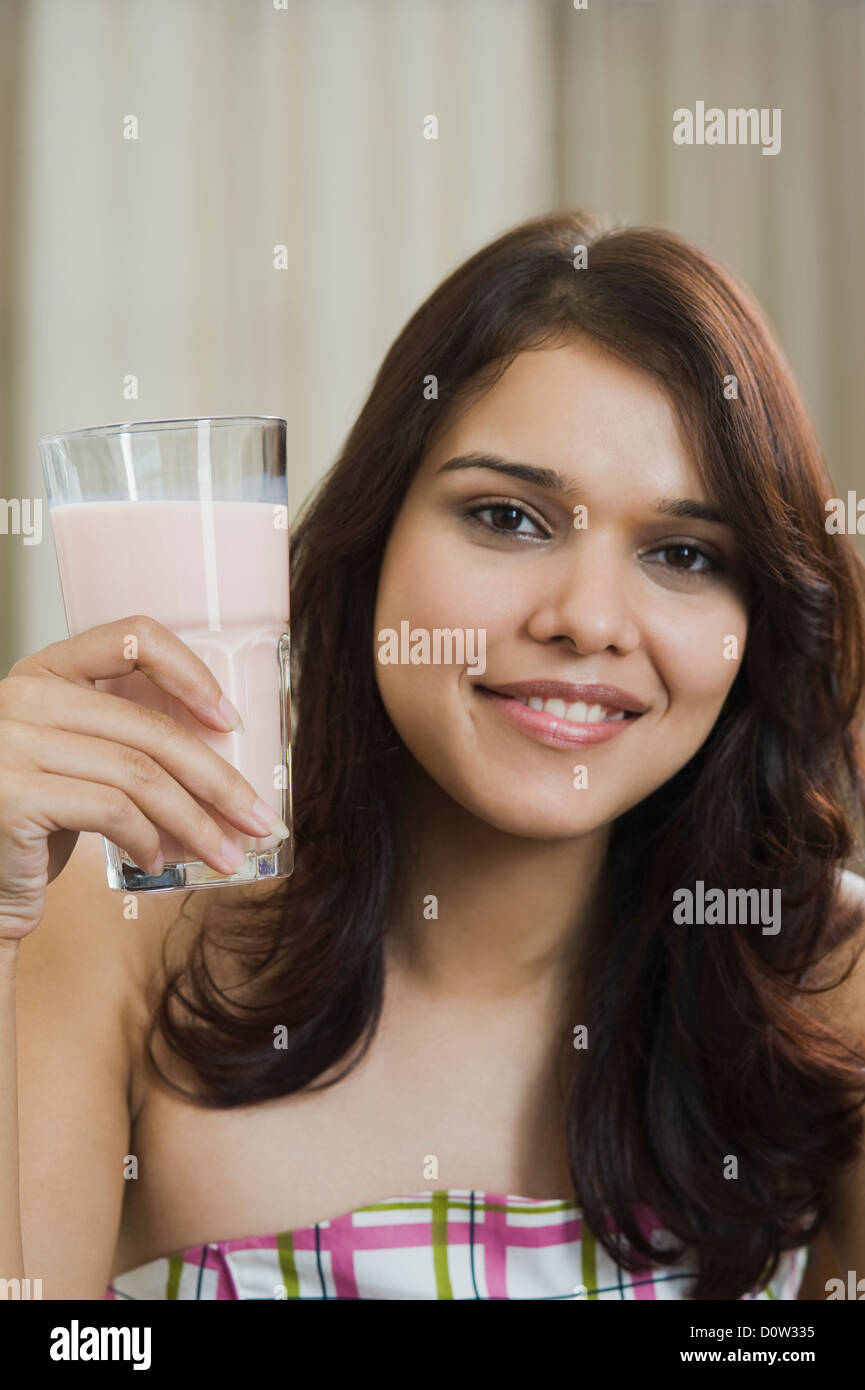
point(186, 521)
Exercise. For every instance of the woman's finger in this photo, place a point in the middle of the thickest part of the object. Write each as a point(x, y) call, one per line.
point(51, 803)
point(51, 703)
point(135, 643)
point(164, 802)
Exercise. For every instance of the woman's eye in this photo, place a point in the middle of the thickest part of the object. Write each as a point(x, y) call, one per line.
point(506, 519)
point(686, 559)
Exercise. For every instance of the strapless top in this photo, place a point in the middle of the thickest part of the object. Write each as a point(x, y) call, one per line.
point(454, 1244)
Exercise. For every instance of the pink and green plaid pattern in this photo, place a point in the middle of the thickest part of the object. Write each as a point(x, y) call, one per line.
point(453, 1244)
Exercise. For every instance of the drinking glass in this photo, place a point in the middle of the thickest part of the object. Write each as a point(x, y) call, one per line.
point(186, 521)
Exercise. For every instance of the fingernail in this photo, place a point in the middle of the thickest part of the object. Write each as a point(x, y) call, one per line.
point(158, 865)
point(226, 711)
point(231, 854)
point(276, 826)
point(267, 819)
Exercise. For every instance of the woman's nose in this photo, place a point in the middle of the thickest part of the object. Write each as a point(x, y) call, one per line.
point(586, 597)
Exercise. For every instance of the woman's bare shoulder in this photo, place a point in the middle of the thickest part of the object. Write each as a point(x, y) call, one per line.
point(843, 1006)
point(844, 1002)
point(853, 887)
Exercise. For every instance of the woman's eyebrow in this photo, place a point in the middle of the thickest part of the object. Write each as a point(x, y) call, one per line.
point(691, 508)
point(528, 472)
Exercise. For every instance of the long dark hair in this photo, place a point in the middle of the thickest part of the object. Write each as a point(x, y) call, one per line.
point(702, 1044)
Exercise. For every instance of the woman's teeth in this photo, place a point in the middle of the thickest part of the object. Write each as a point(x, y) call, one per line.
point(578, 713)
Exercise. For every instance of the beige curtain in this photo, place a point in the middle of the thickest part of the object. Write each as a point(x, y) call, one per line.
point(303, 127)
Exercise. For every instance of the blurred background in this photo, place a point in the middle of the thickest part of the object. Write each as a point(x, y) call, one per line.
point(261, 124)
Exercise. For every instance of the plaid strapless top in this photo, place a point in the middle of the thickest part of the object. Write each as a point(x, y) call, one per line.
point(454, 1244)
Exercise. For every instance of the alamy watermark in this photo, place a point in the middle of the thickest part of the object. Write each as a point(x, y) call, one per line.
point(21, 516)
point(846, 520)
point(20, 1289)
point(714, 907)
point(737, 126)
point(77, 1343)
point(439, 646)
point(854, 1289)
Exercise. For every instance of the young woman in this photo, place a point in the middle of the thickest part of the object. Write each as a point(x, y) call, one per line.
point(488, 1041)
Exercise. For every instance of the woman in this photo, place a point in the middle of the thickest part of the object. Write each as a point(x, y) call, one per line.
point(575, 657)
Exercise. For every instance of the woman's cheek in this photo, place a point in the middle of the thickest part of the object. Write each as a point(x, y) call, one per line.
point(432, 588)
point(699, 659)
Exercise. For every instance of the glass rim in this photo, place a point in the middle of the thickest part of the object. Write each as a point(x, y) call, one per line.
point(138, 426)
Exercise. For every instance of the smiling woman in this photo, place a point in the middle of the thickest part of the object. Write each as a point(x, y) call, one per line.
point(478, 982)
point(631, 599)
point(697, 642)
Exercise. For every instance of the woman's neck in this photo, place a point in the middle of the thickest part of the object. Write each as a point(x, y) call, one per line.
point(488, 915)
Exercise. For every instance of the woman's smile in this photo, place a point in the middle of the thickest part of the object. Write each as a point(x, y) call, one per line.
point(561, 714)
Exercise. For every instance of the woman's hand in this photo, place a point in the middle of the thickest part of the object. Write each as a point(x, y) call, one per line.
point(74, 758)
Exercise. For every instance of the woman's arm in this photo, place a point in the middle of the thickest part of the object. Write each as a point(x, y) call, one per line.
point(73, 760)
point(845, 1006)
point(11, 1255)
point(77, 978)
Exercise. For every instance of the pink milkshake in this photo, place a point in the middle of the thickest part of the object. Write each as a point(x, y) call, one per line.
point(216, 574)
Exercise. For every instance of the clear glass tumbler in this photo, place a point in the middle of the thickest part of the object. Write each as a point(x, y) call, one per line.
point(186, 521)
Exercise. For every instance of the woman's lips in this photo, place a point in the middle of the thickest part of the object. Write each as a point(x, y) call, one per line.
point(550, 728)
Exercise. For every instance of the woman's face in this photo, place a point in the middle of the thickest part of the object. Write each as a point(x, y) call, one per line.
point(638, 594)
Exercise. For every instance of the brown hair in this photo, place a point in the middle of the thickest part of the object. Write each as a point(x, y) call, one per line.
point(702, 1045)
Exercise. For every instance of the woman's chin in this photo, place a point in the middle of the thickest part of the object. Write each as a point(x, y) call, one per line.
point(514, 815)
